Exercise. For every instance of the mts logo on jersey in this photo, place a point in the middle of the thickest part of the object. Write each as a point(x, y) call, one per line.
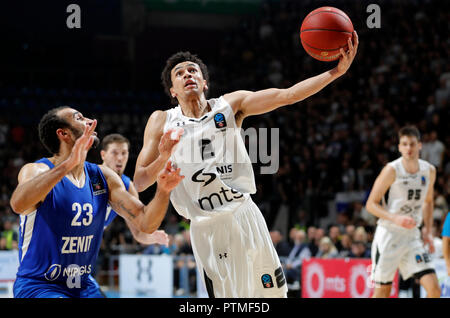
point(216, 198)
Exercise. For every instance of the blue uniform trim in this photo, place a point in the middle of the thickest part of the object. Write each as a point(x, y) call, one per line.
point(446, 227)
point(111, 214)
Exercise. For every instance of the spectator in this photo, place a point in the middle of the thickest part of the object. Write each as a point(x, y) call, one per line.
point(433, 151)
point(346, 241)
point(299, 252)
point(334, 235)
point(9, 237)
point(327, 249)
point(359, 250)
point(311, 238)
point(281, 246)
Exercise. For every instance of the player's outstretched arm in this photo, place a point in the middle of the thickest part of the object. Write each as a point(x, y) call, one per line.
point(36, 180)
point(428, 207)
point(146, 218)
point(155, 151)
point(253, 103)
point(381, 185)
point(157, 237)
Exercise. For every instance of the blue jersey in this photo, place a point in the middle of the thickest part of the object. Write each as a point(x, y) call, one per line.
point(446, 227)
point(62, 237)
point(110, 213)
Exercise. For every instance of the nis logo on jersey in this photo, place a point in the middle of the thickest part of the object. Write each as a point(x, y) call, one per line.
point(55, 270)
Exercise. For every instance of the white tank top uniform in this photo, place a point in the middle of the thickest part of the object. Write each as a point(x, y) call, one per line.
point(394, 246)
point(229, 236)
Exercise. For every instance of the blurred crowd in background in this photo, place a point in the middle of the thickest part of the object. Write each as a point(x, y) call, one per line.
point(335, 142)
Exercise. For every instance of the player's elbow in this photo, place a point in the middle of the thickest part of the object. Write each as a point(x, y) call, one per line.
point(370, 206)
point(16, 205)
point(138, 182)
point(138, 185)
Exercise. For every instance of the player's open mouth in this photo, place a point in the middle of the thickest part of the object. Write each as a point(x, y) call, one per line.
point(190, 84)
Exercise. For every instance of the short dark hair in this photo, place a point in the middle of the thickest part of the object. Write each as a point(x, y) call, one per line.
point(47, 127)
point(112, 138)
point(410, 131)
point(171, 62)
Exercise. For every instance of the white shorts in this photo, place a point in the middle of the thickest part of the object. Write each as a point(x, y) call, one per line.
point(398, 248)
point(236, 257)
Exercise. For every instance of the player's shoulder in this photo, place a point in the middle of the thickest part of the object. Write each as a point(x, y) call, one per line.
point(236, 97)
point(31, 170)
point(389, 171)
point(156, 120)
point(35, 167)
point(395, 163)
point(425, 165)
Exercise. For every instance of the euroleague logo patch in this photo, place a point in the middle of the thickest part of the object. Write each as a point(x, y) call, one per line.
point(97, 186)
point(267, 281)
point(219, 120)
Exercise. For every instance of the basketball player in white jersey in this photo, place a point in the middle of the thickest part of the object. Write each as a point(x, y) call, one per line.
point(397, 242)
point(230, 240)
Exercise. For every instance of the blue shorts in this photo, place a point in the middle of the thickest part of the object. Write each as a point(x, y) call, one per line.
point(36, 288)
point(446, 227)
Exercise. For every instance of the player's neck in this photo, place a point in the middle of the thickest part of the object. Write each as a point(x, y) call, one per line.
point(195, 107)
point(410, 165)
point(76, 173)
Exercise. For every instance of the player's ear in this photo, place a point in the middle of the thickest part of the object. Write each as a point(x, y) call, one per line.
point(62, 133)
point(172, 92)
point(102, 154)
point(205, 85)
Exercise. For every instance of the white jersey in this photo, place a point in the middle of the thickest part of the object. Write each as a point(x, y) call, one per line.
point(407, 193)
point(213, 158)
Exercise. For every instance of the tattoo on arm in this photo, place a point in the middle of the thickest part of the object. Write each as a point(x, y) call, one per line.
point(121, 207)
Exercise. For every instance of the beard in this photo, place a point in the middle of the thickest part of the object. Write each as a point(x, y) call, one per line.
point(79, 132)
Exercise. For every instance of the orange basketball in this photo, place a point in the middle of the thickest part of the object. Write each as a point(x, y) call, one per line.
point(324, 31)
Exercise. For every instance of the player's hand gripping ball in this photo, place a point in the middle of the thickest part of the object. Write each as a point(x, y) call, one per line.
point(324, 32)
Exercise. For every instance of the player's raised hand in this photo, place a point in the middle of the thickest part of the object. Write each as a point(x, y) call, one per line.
point(168, 141)
point(169, 178)
point(82, 145)
point(346, 58)
point(405, 221)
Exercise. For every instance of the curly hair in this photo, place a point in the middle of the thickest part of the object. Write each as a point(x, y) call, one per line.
point(172, 62)
point(47, 127)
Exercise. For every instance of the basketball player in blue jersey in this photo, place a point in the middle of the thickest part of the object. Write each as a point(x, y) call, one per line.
point(229, 236)
point(62, 202)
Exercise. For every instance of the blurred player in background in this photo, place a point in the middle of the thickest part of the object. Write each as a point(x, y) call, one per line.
point(230, 239)
point(397, 242)
point(62, 202)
